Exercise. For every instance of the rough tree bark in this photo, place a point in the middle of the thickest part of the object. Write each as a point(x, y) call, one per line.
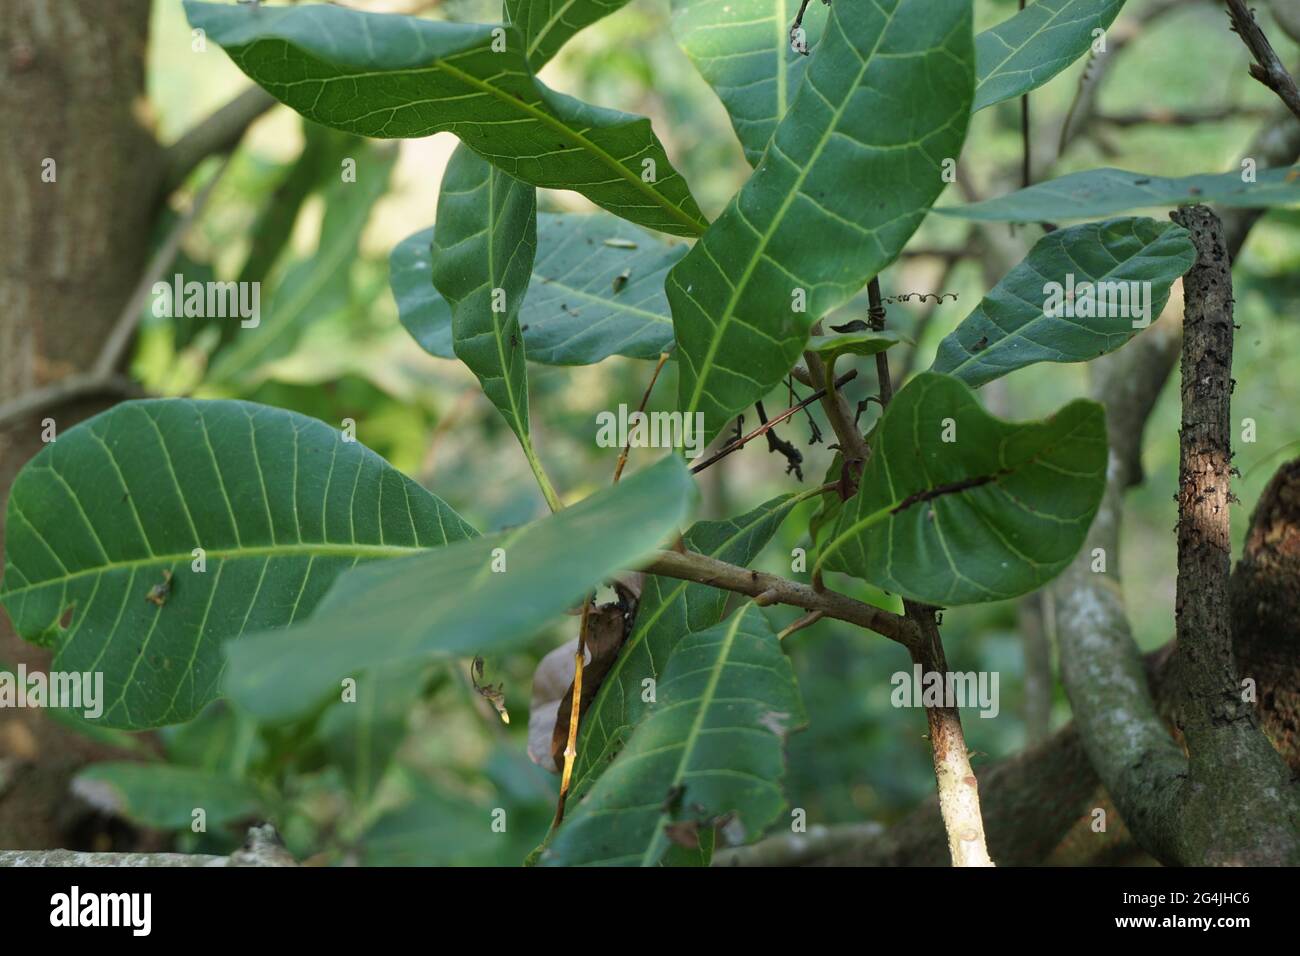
point(84, 182)
point(74, 85)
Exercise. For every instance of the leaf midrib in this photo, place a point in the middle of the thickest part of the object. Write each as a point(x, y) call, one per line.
point(742, 286)
point(273, 550)
point(660, 200)
point(689, 741)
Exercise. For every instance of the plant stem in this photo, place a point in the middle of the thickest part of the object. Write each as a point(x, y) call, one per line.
point(543, 482)
point(959, 801)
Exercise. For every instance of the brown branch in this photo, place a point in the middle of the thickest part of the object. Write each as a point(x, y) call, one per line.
point(645, 398)
point(690, 566)
point(1168, 117)
point(959, 802)
point(1267, 68)
point(220, 132)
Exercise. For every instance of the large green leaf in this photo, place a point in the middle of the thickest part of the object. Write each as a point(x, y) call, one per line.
point(451, 602)
point(483, 246)
point(742, 49)
point(597, 290)
point(313, 287)
point(391, 76)
point(712, 746)
point(1011, 327)
point(884, 100)
point(1103, 192)
point(669, 609)
point(165, 797)
point(1025, 51)
point(548, 24)
point(280, 503)
point(996, 511)
point(424, 313)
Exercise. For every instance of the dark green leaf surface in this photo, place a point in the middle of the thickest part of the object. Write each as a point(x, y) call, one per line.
point(1010, 328)
point(997, 512)
point(450, 602)
point(669, 609)
point(1025, 51)
point(548, 24)
point(424, 313)
point(1103, 192)
point(390, 76)
point(483, 246)
point(280, 502)
point(885, 99)
point(433, 828)
point(165, 797)
point(597, 290)
point(742, 49)
point(712, 744)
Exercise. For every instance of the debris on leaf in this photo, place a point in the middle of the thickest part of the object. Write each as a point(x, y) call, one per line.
point(857, 325)
point(606, 631)
point(620, 280)
point(159, 593)
point(493, 694)
point(552, 700)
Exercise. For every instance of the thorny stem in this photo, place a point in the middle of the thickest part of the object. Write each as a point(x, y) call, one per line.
point(769, 425)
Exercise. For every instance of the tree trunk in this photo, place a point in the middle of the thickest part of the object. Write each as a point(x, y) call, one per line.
point(73, 110)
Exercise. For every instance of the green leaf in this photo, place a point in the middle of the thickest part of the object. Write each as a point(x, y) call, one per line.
point(219, 740)
point(483, 246)
point(597, 290)
point(885, 99)
point(280, 503)
point(996, 511)
point(165, 797)
point(548, 24)
point(1024, 52)
point(424, 313)
point(391, 76)
point(362, 736)
point(1011, 328)
point(312, 287)
point(451, 602)
point(1103, 192)
point(433, 828)
point(742, 49)
point(868, 342)
point(669, 609)
point(711, 745)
